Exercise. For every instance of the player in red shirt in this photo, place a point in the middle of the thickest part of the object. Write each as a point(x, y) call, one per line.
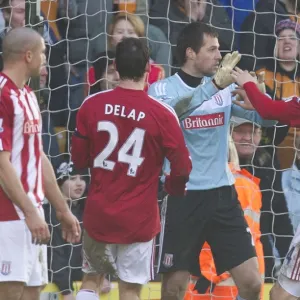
point(26, 174)
point(123, 135)
point(287, 286)
point(286, 112)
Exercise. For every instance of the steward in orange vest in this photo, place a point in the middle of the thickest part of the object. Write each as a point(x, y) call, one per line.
point(215, 287)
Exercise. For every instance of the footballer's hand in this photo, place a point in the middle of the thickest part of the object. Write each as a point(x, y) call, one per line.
point(241, 77)
point(71, 230)
point(223, 77)
point(242, 99)
point(175, 186)
point(38, 228)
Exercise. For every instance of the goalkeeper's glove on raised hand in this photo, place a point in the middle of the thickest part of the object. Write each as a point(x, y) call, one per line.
point(223, 77)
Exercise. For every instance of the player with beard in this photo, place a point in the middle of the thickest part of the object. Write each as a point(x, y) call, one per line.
point(210, 211)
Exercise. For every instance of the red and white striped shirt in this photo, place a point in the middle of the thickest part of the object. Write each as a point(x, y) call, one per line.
point(20, 134)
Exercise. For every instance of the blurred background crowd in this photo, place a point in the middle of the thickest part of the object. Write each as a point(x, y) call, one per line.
point(81, 36)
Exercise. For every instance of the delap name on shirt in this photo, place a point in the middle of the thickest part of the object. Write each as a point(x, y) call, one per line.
point(123, 112)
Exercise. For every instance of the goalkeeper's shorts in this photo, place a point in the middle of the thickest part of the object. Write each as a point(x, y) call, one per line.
point(212, 215)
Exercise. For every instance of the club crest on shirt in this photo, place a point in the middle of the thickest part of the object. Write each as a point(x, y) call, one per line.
point(218, 99)
point(168, 260)
point(5, 268)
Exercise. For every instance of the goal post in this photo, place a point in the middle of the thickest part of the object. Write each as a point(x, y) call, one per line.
point(77, 35)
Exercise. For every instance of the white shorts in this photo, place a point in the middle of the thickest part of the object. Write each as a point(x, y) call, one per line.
point(289, 285)
point(291, 265)
point(20, 260)
point(132, 263)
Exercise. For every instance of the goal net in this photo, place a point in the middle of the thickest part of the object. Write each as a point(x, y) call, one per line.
point(81, 35)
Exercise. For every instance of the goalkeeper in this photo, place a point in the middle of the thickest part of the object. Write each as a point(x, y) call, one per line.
point(210, 210)
point(287, 112)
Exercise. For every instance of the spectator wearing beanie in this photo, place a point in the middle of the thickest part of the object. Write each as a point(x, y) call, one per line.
point(282, 79)
point(64, 260)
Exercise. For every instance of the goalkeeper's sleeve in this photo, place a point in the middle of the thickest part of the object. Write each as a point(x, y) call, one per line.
point(181, 100)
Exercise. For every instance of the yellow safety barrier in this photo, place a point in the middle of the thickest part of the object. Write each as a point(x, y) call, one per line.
point(150, 291)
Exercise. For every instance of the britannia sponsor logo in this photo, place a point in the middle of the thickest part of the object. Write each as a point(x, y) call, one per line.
point(204, 121)
point(31, 127)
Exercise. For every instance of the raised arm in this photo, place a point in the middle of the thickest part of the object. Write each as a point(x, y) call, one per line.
point(266, 107)
point(185, 103)
point(285, 112)
point(182, 103)
point(253, 116)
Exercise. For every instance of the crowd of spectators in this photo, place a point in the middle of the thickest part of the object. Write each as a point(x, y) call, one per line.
point(81, 36)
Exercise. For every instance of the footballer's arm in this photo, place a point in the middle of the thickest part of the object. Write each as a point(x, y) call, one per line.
point(70, 226)
point(178, 156)
point(14, 190)
point(80, 148)
point(186, 102)
point(269, 109)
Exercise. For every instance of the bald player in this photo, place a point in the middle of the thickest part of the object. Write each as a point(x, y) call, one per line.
point(26, 175)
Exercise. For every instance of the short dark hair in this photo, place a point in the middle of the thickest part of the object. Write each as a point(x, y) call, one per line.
point(192, 36)
point(132, 56)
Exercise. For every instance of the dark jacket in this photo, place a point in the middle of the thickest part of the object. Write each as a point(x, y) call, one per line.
point(260, 28)
point(64, 259)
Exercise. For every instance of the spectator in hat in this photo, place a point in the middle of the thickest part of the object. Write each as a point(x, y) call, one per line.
point(282, 78)
point(258, 30)
point(276, 228)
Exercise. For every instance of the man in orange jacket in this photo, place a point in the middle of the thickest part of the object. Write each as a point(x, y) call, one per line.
point(211, 286)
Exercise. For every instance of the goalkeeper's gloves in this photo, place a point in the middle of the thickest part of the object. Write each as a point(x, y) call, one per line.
point(223, 77)
point(221, 80)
